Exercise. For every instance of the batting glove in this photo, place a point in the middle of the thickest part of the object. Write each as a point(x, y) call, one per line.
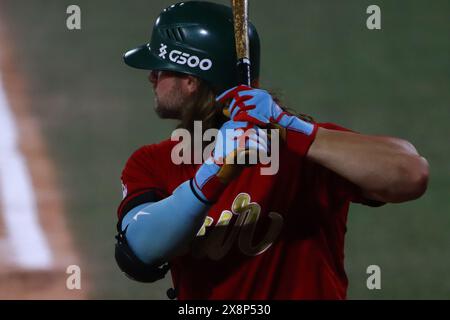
point(257, 106)
point(235, 144)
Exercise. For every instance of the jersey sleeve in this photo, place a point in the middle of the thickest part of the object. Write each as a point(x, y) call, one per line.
point(342, 188)
point(144, 178)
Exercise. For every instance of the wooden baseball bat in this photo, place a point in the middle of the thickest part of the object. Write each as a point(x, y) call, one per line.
point(240, 19)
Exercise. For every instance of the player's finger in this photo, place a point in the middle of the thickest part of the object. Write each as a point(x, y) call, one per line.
point(264, 137)
point(238, 103)
point(258, 141)
point(245, 116)
point(247, 157)
point(231, 93)
point(257, 147)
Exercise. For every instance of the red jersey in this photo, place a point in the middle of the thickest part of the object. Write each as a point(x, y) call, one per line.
point(267, 237)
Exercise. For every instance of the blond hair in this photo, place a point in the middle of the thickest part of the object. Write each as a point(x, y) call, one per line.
point(203, 107)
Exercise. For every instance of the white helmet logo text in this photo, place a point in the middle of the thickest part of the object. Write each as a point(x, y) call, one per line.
point(163, 51)
point(183, 58)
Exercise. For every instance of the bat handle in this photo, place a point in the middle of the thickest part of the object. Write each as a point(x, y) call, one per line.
point(243, 69)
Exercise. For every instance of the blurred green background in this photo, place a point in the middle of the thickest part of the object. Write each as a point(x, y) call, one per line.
point(318, 55)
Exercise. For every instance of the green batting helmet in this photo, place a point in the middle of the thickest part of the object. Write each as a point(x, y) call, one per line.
point(196, 38)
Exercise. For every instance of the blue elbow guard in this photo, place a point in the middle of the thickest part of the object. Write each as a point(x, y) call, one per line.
point(155, 232)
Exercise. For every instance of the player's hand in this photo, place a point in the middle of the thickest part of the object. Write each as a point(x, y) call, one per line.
point(258, 107)
point(252, 105)
point(237, 144)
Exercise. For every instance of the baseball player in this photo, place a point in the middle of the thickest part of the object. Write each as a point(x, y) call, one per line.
point(223, 229)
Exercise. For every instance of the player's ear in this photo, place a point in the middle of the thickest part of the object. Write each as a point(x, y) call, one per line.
point(192, 84)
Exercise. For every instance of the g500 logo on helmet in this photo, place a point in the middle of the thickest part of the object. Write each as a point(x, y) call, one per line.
point(183, 58)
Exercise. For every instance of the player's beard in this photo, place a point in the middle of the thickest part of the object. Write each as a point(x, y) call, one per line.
point(170, 105)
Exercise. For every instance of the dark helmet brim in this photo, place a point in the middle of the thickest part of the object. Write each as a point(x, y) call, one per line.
point(142, 58)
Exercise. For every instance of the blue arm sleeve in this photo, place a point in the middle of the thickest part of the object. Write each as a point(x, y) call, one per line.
point(157, 231)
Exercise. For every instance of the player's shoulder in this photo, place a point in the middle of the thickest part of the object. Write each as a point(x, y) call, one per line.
point(149, 157)
point(159, 149)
